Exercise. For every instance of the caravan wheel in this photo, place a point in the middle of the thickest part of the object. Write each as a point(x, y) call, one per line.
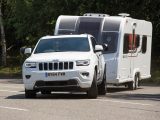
point(134, 84)
point(131, 85)
point(136, 81)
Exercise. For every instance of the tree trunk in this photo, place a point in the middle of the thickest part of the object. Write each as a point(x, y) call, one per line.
point(3, 41)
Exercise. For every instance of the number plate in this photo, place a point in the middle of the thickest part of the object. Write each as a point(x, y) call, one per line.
point(55, 74)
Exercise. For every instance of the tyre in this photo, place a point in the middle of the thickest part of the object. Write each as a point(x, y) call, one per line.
point(93, 91)
point(30, 94)
point(136, 81)
point(102, 88)
point(134, 84)
point(45, 92)
point(131, 85)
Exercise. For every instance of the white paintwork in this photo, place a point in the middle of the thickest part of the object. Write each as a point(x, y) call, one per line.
point(28, 51)
point(98, 48)
point(121, 68)
point(95, 58)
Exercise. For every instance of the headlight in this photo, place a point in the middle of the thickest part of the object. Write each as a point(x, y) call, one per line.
point(30, 65)
point(82, 62)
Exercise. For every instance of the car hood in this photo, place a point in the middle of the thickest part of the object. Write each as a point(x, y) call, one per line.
point(58, 56)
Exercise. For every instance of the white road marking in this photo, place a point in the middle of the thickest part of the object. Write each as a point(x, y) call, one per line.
point(123, 102)
point(11, 87)
point(13, 108)
point(11, 91)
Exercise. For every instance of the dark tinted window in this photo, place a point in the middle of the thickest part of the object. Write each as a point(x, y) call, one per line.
point(63, 45)
point(111, 39)
point(65, 32)
point(144, 44)
point(89, 26)
point(111, 25)
point(126, 44)
point(137, 41)
point(68, 23)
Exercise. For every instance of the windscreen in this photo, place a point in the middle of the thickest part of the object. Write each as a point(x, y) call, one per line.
point(80, 44)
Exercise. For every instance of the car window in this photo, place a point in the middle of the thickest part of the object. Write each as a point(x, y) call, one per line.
point(63, 45)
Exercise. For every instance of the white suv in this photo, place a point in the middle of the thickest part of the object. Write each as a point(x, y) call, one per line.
point(65, 63)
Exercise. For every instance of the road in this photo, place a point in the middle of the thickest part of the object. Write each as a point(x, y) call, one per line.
point(118, 104)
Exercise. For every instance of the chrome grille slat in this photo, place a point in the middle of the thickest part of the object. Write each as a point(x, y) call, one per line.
point(48, 66)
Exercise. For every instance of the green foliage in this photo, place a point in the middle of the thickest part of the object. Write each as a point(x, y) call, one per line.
point(27, 20)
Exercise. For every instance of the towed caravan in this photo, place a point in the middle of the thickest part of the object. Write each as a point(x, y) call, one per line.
point(128, 40)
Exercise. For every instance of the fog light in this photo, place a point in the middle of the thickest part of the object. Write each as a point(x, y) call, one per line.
point(28, 76)
point(85, 74)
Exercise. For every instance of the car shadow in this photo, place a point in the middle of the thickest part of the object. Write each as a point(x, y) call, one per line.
point(52, 96)
point(125, 94)
point(112, 92)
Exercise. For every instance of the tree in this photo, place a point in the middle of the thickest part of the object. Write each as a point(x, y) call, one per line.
point(3, 40)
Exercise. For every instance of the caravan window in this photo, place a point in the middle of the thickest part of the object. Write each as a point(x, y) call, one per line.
point(111, 39)
point(66, 32)
point(111, 25)
point(126, 44)
point(144, 44)
point(129, 44)
point(90, 26)
point(68, 23)
point(137, 41)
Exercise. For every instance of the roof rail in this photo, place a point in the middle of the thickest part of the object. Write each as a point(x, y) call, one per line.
point(124, 14)
point(96, 14)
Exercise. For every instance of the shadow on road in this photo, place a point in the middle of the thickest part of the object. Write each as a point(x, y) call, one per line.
point(131, 96)
point(112, 92)
point(122, 96)
point(52, 96)
point(118, 89)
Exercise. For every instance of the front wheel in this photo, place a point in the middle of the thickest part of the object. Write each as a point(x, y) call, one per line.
point(102, 88)
point(93, 91)
point(30, 93)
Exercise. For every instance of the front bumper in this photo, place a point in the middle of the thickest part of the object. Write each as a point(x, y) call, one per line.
point(72, 80)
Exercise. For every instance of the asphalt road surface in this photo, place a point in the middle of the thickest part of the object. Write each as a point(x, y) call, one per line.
point(118, 104)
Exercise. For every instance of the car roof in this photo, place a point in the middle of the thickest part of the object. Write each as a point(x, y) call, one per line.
point(64, 36)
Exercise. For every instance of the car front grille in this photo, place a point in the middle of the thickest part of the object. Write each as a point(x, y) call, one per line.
point(56, 66)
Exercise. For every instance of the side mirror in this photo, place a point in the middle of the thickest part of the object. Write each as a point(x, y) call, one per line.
point(105, 46)
point(28, 51)
point(98, 48)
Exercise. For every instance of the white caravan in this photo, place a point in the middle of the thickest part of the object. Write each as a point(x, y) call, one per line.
point(128, 55)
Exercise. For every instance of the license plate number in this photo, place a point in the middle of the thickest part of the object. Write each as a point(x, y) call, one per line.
point(55, 74)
